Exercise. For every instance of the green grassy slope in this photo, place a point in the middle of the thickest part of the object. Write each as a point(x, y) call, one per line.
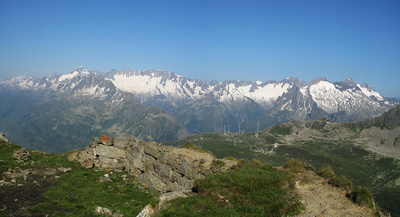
point(48, 191)
point(316, 142)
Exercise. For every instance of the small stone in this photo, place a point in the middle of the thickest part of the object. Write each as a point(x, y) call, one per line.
point(3, 137)
point(104, 179)
point(89, 164)
point(107, 211)
point(62, 169)
point(102, 211)
point(147, 211)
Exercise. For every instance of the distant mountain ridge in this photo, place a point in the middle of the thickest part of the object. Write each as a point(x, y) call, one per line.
point(217, 106)
point(61, 113)
point(232, 103)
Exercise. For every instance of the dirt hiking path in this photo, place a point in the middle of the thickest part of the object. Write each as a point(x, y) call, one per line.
point(322, 199)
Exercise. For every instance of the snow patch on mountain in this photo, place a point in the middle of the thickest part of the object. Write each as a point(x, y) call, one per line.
point(324, 94)
point(156, 85)
point(330, 98)
point(370, 92)
point(162, 88)
point(94, 91)
point(81, 71)
point(147, 84)
point(21, 82)
point(67, 76)
point(266, 94)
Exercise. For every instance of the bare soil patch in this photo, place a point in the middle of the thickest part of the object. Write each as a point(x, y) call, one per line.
point(322, 199)
point(15, 199)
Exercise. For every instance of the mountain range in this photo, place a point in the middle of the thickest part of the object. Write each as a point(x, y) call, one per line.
point(217, 106)
point(162, 106)
point(60, 113)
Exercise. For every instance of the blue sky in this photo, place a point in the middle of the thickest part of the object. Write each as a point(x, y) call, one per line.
point(208, 40)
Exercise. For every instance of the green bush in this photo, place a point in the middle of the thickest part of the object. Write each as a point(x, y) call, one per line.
point(192, 146)
point(297, 166)
point(257, 163)
point(218, 163)
point(240, 164)
point(341, 182)
point(231, 158)
point(326, 172)
point(362, 196)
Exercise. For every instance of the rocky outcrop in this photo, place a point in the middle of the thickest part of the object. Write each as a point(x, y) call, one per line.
point(105, 153)
point(162, 168)
point(21, 155)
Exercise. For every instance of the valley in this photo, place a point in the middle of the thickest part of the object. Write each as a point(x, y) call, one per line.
point(344, 147)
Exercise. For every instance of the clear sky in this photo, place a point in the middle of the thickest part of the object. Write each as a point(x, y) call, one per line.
point(207, 39)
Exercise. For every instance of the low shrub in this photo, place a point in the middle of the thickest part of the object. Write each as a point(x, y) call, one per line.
point(362, 196)
point(326, 172)
point(341, 182)
point(218, 163)
point(297, 166)
point(231, 158)
point(192, 146)
point(240, 164)
point(257, 163)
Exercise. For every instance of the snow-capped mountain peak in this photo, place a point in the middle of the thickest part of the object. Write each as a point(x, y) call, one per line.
point(146, 85)
point(179, 94)
point(81, 71)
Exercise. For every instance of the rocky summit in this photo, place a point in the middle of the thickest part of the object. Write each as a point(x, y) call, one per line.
point(162, 168)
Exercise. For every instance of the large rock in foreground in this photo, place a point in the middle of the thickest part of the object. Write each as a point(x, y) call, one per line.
point(162, 168)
